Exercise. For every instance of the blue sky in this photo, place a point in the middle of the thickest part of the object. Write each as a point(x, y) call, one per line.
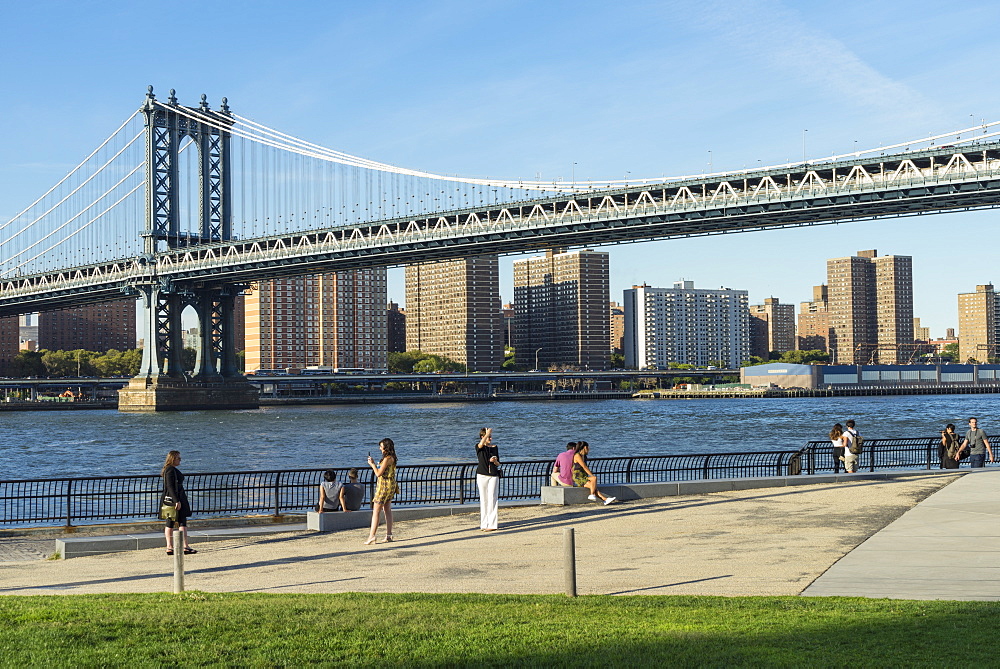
point(518, 88)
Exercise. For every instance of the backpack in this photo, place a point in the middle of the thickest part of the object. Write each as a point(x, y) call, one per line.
point(857, 444)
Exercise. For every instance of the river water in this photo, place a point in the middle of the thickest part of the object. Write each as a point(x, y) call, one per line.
point(46, 444)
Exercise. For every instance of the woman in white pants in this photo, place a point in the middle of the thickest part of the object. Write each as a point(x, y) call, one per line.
point(488, 480)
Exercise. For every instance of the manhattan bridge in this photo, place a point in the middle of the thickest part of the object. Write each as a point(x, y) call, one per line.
point(186, 206)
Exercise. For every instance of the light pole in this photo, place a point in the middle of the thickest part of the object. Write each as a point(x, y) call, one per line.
point(536, 357)
point(804, 145)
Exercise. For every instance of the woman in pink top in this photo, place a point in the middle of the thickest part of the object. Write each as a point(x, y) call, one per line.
point(562, 472)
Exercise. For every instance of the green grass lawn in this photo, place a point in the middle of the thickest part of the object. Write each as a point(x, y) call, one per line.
point(363, 630)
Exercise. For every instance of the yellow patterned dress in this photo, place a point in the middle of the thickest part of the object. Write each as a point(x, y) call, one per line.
point(387, 487)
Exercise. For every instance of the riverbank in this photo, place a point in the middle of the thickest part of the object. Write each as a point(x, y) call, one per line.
point(447, 398)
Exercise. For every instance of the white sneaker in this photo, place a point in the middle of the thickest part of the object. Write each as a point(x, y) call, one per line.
point(609, 500)
point(592, 498)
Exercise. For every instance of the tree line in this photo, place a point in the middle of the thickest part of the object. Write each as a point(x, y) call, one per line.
point(81, 363)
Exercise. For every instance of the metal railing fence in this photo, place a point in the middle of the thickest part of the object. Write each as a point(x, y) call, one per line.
point(101, 498)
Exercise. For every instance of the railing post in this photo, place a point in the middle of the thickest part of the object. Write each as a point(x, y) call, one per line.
point(930, 445)
point(69, 503)
point(277, 495)
point(781, 458)
point(704, 469)
point(811, 458)
point(628, 470)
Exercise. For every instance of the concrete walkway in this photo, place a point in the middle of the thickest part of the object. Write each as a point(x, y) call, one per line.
point(765, 541)
point(946, 547)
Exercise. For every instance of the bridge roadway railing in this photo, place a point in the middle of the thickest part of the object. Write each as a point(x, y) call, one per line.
point(85, 500)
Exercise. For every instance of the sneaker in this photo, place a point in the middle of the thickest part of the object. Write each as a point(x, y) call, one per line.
point(609, 500)
point(592, 498)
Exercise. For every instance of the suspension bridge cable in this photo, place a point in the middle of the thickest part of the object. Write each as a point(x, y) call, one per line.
point(277, 139)
point(80, 229)
point(71, 172)
point(70, 220)
point(73, 192)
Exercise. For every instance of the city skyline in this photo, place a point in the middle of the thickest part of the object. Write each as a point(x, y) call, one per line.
point(763, 83)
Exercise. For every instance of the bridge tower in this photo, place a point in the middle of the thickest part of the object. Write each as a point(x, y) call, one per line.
point(162, 384)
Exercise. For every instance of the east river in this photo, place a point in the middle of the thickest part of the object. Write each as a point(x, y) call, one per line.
point(105, 443)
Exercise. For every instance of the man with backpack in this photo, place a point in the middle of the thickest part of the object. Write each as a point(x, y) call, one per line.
point(853, 449)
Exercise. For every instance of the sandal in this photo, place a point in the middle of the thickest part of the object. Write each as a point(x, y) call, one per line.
point(170, 551)
point(189, 551)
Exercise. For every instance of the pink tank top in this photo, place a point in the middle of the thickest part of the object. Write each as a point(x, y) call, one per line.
point(565, 462)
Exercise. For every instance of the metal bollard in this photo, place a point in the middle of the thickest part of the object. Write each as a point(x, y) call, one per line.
point(569, 560)
point(178, 561)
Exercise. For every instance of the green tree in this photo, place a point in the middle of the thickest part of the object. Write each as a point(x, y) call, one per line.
point(118, 363)
point(753, 360)
point(950, 352)
point(805, 357)
point(402, 363)
point(27, 363)
point(60, 363)
point(437, 363)
point(421, 363)
point(617, 360)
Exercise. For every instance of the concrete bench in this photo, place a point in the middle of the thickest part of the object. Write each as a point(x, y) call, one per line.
point(332, 521)
point(631, 491)
point(71, 547)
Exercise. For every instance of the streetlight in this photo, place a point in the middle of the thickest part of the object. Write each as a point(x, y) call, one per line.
point(536, 357)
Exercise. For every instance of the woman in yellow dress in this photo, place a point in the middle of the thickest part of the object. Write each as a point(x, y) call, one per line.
point(385, 490)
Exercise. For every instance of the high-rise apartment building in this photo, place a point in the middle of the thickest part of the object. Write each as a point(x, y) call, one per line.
point(93, 327)
point(772, 328)
point(871, 308)
point(10, 342)
point(561, 310)
point(920, 334)
point(616, 322)
point(396, 322)
point(813, 331)
point(978, 323)
point(329, 320)
point(894, 309)
point(687, 325)
point(453, 310)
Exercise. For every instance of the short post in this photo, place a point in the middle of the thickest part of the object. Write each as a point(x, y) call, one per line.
point(178, 543)
point(569, 560)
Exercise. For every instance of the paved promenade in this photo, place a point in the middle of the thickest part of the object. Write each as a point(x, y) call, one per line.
point(767, 541)
point(946, 547)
